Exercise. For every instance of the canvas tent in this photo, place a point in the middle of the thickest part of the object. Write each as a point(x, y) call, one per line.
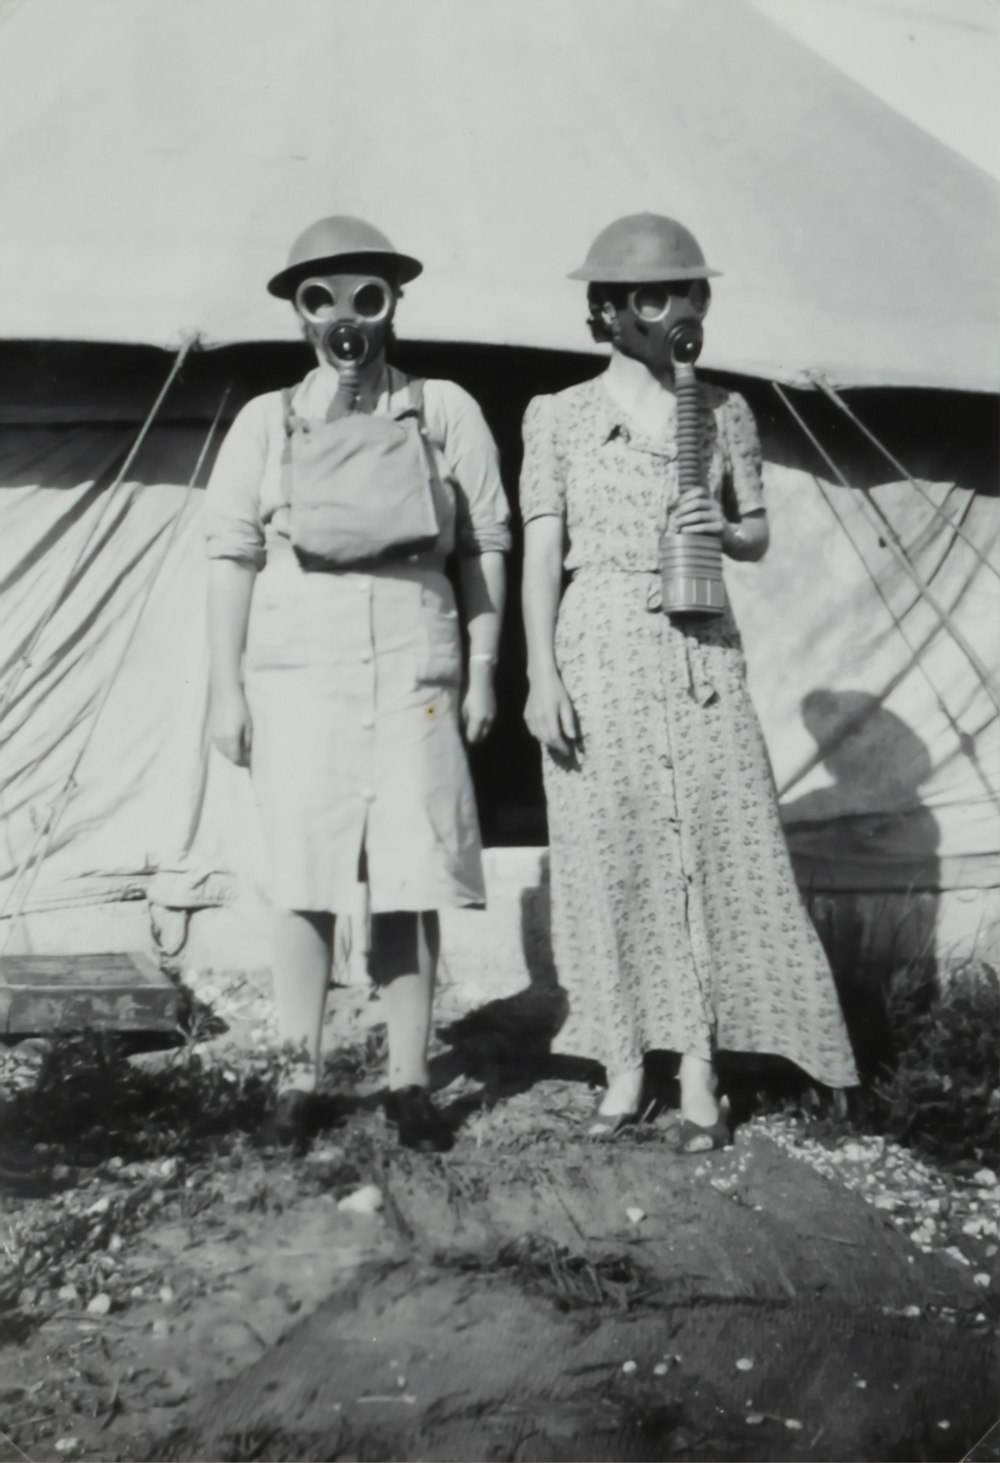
point(155, 166)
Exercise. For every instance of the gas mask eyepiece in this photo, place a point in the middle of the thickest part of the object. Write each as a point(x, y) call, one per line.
point(346, 316)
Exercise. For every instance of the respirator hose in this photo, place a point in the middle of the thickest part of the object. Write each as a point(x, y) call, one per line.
point(348, 387)
point(688, 455)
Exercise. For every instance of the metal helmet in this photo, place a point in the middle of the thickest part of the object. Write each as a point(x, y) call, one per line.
point(644, 248)
point(331, 241)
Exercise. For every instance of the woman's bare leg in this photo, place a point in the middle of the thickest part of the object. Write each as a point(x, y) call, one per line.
point(699, 1090)
point(303, 950)
point(624, 1093)
point(403, 965)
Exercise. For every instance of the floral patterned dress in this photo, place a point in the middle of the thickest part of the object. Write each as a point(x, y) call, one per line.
point(674, 902)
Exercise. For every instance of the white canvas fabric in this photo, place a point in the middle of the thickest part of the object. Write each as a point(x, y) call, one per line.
point(173, 157)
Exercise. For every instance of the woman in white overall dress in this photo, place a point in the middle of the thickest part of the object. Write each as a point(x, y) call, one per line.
point(337, 656)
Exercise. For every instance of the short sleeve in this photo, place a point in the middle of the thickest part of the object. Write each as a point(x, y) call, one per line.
point(482, 513)
point(743, 455)
point(233, 526)
point(543, 488)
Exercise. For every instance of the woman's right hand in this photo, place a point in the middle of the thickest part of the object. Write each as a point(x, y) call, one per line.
point(231, 727)
point(550, 716)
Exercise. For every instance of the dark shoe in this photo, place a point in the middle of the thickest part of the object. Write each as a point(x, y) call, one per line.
point(290, 1124)
point(417, 1120)
point(695, 1138)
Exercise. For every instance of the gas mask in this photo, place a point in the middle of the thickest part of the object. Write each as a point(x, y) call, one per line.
point(347, 316)
point(660, 324)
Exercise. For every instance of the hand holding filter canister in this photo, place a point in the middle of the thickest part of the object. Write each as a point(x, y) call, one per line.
point(690, 560)
point(690, 556)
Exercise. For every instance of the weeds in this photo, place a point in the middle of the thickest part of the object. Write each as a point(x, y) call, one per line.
point(87, 1093)
point(942, 1093)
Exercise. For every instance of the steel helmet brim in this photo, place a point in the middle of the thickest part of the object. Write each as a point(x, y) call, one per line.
point(400, 269)
point(609, 274)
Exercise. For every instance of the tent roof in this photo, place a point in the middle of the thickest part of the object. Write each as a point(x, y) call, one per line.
point(158, 158)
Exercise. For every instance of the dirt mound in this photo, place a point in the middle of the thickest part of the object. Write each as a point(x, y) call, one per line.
point(746, 1308)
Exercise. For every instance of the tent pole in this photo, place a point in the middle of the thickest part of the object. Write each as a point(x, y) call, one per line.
point(957, 528)
point(24, 662)
point(892, 544)
point(30, 867)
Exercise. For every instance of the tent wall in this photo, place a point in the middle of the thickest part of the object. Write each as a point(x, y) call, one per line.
point(886, 763)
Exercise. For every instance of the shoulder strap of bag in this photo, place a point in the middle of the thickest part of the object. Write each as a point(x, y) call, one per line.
point(415, 389)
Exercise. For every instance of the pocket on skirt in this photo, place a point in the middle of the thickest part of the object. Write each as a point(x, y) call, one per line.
point(440, 659)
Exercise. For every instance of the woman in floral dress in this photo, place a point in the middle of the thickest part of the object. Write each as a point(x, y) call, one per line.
point(674, 904)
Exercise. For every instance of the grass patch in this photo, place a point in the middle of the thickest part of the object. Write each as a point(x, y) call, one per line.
point(941, 1092)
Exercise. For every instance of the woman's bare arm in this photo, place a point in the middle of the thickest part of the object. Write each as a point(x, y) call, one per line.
point(230, 586)
point(549, 711)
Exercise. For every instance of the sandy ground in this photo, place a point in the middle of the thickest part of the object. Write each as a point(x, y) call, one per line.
point(528, 1296)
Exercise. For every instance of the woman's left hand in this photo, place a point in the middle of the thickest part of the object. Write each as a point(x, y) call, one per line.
point(479, 705)
point(698, 513)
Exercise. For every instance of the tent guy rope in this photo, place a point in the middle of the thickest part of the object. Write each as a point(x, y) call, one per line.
point(966, 740)
point(891, 541)
point(956, 528)
point(31, 864)
point(25, 659)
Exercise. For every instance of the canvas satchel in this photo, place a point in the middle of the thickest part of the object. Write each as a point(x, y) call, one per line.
point(361, 487)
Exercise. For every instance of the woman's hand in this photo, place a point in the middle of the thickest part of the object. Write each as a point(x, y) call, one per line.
point(479, 705)
point(698, 513)
point(550, 716)
point(230, 726)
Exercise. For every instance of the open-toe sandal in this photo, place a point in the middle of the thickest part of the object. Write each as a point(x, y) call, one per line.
point(608, 1125)
point(697, 1138)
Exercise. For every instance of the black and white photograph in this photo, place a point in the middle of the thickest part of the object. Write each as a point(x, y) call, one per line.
point(499, 731)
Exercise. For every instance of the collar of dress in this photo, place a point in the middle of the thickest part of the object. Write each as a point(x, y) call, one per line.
point(613, 424)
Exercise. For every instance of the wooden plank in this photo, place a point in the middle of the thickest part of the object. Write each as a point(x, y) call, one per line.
point(116, 991)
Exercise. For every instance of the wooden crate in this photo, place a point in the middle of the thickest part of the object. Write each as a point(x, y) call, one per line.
point(40, 994)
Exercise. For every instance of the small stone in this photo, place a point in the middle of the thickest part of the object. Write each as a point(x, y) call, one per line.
point(167, 1296)
point(161, 1327)
point(793, 1424)
point(886, 1201)
point(61, 1172)
point(634, 1214)
point(754, 1419)
point(957, 1255)
point(99, 1305)
point(944, 1424)
point(985, 1178)
point(400, 1381)
point(115, 1244)
point(137, 1292)
point(168, 1169)
point(69, 1294)
point(744, 1364)
point(980, 1317)
point(661, 1369)
point(100, 1206)
point(629, 1367)
point(981, 1278)
point(325, 1154)
point(366, 1200)
point(116, 1164)
point(861, 1383)
point(911, 1311)
point(66, 1445)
